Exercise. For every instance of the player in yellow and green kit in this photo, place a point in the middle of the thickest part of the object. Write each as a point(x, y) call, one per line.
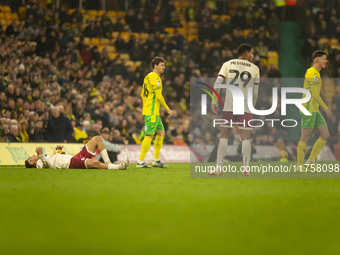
point(152, 100)
point(308, 123)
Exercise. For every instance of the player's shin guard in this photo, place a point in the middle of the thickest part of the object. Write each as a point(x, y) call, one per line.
point(317, 148)
point(246, 151)
point(145, 147)
point(221, 150)
point(158, 145)
point(301, 152)
point(105, 156)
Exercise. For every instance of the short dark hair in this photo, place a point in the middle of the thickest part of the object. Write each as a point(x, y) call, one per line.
point(318, 53)
point(243, 48)
point(156, 61)
point(28, 165)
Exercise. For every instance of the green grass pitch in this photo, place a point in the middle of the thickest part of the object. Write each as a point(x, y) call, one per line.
point(164, 211)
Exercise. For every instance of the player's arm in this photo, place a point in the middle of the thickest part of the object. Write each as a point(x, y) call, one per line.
point(219, 80)
point(41, 155)
point(316, 96)
point(160, 98)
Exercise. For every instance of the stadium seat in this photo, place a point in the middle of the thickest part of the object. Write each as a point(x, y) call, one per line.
point(183, 31)
point(169, 30)
point(334, 43)
point(113, 55)
point(138, 63)
point(322, 41)
point(100, 48)
point(192, 24)
point(114, 34)
point(216, 17)
point(93, 13)
point(192, 31)
point(120, 14)
point(113, 20)
point(132, 64)
point(70, 11)
point(6, 8)
point(224, 17)
point(112, 14)
point(192, 37)
point(100, 13)
point(76, 39)
point(95, 41)
point(87, 41)
point(246, 32)
point(7, 16)
point(125, 36)
point(143, 36)
point(104, 41)
point(125, 56)
point(111, 49)
point(22, 12)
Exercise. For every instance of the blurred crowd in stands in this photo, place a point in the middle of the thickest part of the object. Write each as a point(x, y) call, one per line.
point(57, 87)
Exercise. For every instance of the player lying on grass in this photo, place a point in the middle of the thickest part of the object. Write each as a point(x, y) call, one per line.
point(84, 159)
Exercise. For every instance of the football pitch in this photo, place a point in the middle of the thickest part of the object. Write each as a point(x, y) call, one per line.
point(164, 211)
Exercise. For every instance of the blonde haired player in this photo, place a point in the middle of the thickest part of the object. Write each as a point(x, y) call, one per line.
point(308, 123)
point(243, 74)
point(152, 100)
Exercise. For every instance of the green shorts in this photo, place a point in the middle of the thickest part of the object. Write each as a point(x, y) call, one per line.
point(316, 120)
point(153, 123)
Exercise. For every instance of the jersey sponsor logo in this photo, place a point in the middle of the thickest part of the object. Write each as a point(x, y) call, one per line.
point(158, 83)
point(82, 159)
point(315, 78)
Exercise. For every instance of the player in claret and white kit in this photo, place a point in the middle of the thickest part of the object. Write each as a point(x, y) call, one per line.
point(243, 74)
point(84, 159)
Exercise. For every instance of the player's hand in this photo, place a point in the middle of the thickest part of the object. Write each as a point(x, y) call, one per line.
point(169, 112)
point(214, 108)
point(329, 113)
point(59, 147)
point(39, 150)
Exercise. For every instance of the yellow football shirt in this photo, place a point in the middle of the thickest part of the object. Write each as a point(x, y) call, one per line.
point(152, 94)
point(313, 84)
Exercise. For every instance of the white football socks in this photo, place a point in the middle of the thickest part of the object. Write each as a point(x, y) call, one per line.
point(221, 150)
point(105, 156)
point(246, 150)
point(113, 167)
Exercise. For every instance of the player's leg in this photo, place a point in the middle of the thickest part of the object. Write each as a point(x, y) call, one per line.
point(150, 129)
point(160, 133)
point(301, 148)
point(307, 125)
point(92, 163)
point(97, 143)
point(223, 145)
point(246, 149)
point(322, 127)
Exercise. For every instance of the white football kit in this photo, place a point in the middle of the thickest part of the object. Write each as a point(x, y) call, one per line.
point(55, 161)
point(242, 74)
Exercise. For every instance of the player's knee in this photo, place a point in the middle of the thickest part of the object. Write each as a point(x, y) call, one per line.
point(325, 137)
point(161, 132)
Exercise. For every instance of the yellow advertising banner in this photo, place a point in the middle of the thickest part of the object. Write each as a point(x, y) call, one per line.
point(17, 153)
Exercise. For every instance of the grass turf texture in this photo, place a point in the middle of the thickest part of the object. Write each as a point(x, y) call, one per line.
point(163, 211)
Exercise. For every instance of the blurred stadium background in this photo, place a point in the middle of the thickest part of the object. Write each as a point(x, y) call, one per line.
point(90, 58)
point(91, 62)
